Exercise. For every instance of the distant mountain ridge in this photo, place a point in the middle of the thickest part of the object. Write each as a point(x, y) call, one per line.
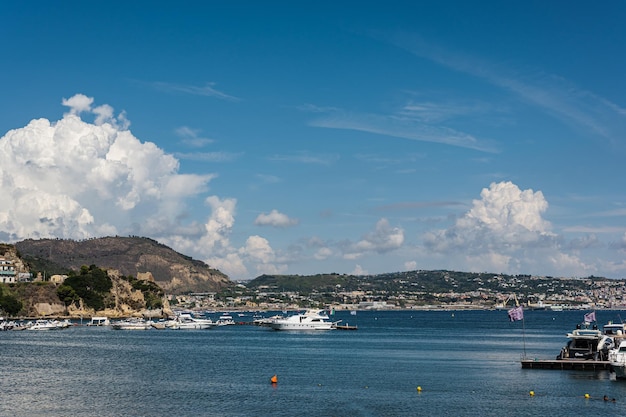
point(174, 272)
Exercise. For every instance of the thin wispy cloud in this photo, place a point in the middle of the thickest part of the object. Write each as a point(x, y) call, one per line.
point(269, 179)
point(576, 107)
point(416, 205)
point(208, 156)
point(402, 126)
point(306, 158)
point(192, 138)
point(207, 90)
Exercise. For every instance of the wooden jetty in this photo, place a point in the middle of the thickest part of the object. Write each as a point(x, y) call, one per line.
point(565, 364)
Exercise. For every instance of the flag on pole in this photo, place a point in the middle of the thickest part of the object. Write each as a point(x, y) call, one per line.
point(590, 317)
point(516, 313)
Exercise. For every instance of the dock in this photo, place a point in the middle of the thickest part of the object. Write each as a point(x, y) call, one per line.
point(564, 364)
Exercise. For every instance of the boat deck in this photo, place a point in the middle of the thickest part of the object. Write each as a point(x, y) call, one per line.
point(564, 364)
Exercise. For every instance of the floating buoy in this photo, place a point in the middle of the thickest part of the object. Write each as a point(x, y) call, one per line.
point(531, 393)
point(587, 395)
point(419, 389)
point(274, 379)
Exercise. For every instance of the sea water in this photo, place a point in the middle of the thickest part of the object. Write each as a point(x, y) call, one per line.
point(466, 363)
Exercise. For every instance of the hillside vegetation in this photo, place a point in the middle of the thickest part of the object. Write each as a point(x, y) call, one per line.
point(131, 256)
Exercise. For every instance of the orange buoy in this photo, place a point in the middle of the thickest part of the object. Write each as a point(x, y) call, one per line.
point(274, 379)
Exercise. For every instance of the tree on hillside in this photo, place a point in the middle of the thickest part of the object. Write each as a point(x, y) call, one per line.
point(91, 285)
point(9, 304)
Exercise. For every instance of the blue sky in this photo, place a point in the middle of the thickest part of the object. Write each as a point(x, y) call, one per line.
point(317, 137)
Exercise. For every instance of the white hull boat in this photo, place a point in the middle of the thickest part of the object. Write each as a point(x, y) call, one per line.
point(617, 359)
point(49, 325)
point(131, 324)
point(309, 320)
point(188, 322)
point(99, 321)
point(225, 320)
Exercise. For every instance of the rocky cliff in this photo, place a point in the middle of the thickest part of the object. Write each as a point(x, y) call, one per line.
point(172, 271)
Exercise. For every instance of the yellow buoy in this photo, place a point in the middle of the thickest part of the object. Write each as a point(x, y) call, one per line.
point(532, 393)
point(274, 379)
point(419, 389)
point(586, 395)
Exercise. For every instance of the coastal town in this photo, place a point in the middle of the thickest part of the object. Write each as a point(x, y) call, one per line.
point(412, 290)
point(409, 290)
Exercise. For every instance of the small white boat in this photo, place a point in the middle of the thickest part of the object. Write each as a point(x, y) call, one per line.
point(43, 324)
point(617, 359)
point(225, 320)
point(186, 321)
point(99, 321)
point(131, 324)
point(309, 320)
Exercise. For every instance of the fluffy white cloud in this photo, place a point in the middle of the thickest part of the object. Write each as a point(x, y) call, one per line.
point(259, 251)
point(323, 253)
point(72, 179)
point(78, 103)
point(276, 219)
point(504, 231)
point(358, 270)
point(410, 265)
point(382, 239)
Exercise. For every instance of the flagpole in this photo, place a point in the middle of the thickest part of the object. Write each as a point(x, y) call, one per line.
point(524, 335)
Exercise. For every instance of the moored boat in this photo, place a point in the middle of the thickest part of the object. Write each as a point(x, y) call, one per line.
point(43, 324)
point(186, 321)
point(309, 320)
point(617, 359)
point(99, 321)
point(225, 320)
point(586, 344)
point(131, 324)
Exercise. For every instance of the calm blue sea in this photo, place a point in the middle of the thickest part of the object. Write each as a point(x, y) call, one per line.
point(466, 362)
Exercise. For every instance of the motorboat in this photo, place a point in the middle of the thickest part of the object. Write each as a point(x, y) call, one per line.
point(308, 320)
point(587, 344)
point(617, 330)
point(99, 321)
point(225, 320)
point(131, 324)
point(186, 321)
point(43, 324)
point(617, 360)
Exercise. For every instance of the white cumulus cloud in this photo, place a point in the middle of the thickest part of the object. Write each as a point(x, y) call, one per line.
point(72, 179)
point(384, 238)
point(275, 219)
point(505, 231)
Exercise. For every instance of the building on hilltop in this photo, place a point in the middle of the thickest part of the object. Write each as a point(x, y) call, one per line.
point(7, 271)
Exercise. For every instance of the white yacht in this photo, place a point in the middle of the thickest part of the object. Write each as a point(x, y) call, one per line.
point(225, 320)
point(585, 343)
point(309, 320)
point(617, 359)
point(131, 324)
point(99, 321)
point(43, 324)
point(186, 321)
